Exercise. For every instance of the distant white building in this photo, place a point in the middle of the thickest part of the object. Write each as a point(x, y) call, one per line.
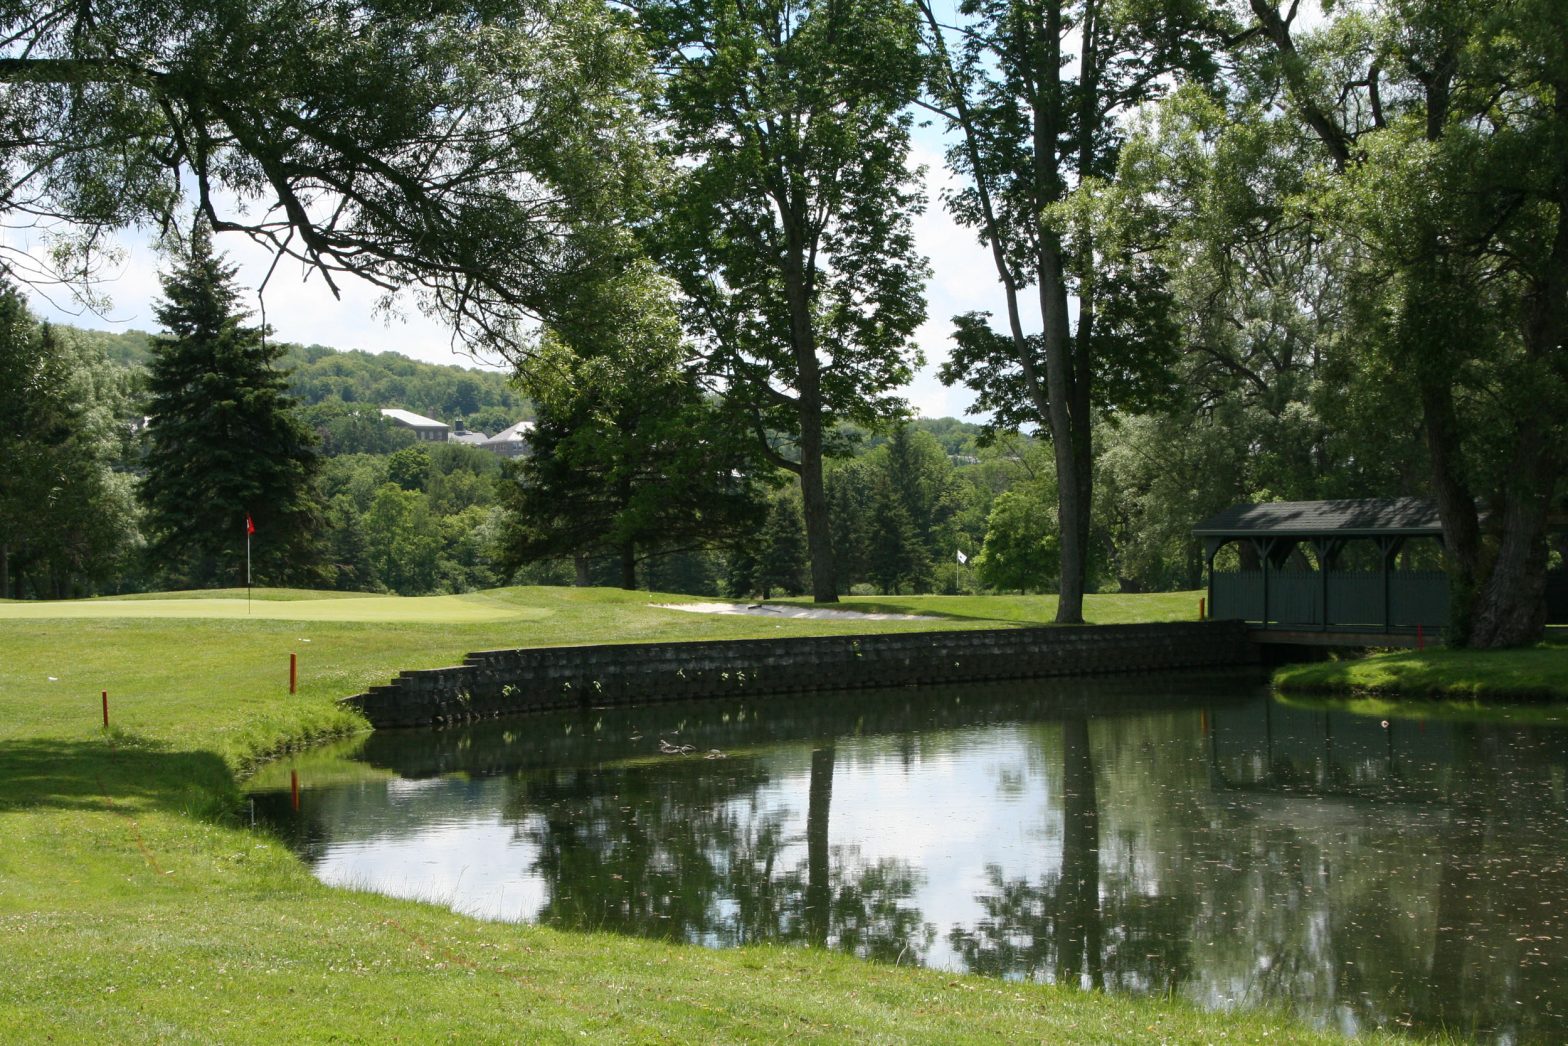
point(512, 442)
point(460, 434)
point(424, 428)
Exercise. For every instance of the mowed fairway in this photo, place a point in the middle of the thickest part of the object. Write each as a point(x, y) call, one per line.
point(134, 906)
point(450, 610)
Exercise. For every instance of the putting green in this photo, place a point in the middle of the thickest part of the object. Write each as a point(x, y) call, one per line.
point(428, 610)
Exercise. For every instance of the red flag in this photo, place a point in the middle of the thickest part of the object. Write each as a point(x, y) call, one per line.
point(250, 527)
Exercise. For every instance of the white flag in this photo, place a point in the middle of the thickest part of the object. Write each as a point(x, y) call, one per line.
point(962, 559)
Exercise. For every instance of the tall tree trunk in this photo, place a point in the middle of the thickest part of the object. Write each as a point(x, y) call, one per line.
point(1510, 608)
point(1072, 482)
point(814, 508)
point(1044, 107)
point(1455, 503)
point(819, 890)
point(1510, 605)
point(580, 578)
point(629, 566)
point(1051, 284)
point(5, 570)
point(808, 381)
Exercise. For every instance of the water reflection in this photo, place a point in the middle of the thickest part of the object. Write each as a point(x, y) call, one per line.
point(1195, 839)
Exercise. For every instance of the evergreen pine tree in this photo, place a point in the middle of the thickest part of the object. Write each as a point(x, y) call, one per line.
point(898, 557)
point(224, 440)
point(782, 556)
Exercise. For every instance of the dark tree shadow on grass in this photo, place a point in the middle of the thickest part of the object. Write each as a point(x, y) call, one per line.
point(119, 774)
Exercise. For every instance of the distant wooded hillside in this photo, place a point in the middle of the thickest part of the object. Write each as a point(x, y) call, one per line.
point(482, 400)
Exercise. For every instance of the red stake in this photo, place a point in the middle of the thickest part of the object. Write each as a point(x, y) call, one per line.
point(1420, 639)
point(293, 671)
point(294, 789)
point(106, 709)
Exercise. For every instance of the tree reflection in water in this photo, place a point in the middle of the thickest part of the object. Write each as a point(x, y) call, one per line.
point(1072, 926)
point(1361, 874)
point(681, 849)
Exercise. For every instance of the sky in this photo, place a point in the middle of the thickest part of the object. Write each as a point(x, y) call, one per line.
point(300, 308)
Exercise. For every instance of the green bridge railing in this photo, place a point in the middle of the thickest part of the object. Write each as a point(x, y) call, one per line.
point(1332, 601)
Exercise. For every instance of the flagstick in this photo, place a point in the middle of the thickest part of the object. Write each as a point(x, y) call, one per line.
point(247, 564)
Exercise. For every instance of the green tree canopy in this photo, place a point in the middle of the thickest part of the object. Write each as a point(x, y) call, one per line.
point(629, 457)
point(788, 225)
point(67, 518)
point(1020, 550)
point(477, 152)
point(1038, 94)
point(1442, 144)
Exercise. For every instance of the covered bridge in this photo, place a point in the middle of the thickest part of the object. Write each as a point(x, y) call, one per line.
point(1370, 565)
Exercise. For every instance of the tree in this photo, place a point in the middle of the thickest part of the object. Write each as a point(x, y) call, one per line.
point(475, 152)
point(402, 540)
point(629, 457)
point(788, 225)
point(409, 467)
point(898, 558)
point(342, 429)
point(1443, 135)
point(67, 518)
point(918, 470)
point(224, 441)
point(1037, 141)
point(1268, 404)
point(851, 491)
point(781, 554)
point(1019, 551)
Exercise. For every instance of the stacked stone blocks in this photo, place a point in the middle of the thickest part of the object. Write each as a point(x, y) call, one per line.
point(502, 682)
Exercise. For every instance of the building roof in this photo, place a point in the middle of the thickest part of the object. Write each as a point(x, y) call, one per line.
point(1345, 517)
point(516, 434)
point(473, 439)
point(412, 420)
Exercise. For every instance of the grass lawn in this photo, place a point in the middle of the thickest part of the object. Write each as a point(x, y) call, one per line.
point(1538, 673)
point(134, 907)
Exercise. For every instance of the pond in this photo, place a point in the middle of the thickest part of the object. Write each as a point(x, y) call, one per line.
point(1185, 836)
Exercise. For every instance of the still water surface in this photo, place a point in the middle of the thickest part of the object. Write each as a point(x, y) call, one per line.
point(1188, 836)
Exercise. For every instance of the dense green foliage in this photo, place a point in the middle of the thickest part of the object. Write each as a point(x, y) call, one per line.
point(1241, 257)
point(343, 390)
point(67, 516)
point(474, 153)
point(630, 458)
point(225, 451)
point(1036, 96)
point(413, 518)
point(1305, 260)
point(788, 223)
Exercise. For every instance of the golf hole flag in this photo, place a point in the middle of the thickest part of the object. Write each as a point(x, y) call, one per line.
point(250, 527)
point(962, 559)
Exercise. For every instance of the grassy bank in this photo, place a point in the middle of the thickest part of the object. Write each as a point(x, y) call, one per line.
point(1534, 674)
point(134, 907)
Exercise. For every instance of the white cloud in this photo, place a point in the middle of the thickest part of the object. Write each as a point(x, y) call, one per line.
point(963, 279)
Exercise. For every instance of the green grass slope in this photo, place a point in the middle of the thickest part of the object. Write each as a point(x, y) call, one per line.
point(135, 908)
point(1538, 673)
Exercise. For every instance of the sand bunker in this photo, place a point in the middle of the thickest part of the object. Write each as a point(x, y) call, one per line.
point(774, 610)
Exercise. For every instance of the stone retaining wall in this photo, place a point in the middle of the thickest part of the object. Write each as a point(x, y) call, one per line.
point(502, 682)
